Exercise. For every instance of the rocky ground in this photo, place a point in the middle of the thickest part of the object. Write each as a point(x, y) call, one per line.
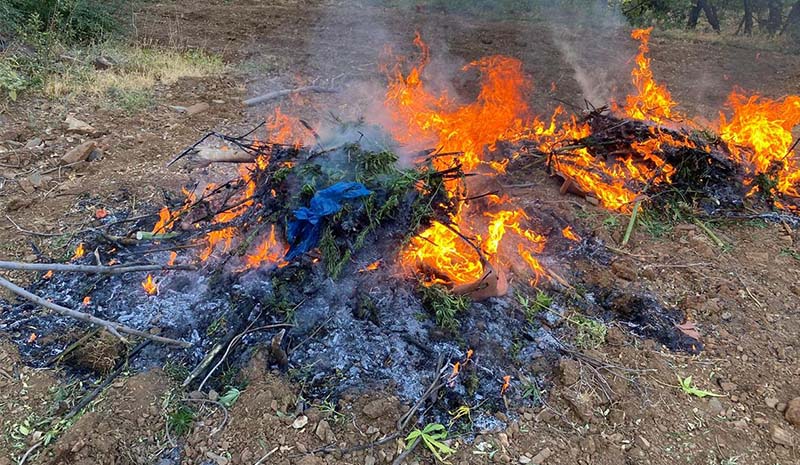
point(619, 403)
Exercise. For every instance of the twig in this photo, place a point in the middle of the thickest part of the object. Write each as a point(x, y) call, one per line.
point(33, 233)
point(266, 456)
point(282, 93)
point(402, 457)
point(91, 269)
point(112, 327)
point(710, 233)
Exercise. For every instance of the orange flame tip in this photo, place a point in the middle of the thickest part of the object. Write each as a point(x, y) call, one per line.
point(149, 285)
point(79, 252)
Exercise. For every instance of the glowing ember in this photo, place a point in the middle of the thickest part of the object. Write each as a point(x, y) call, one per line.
point(172, 257)
point(48, 275)
point(570, 234)
point(371, 267)
point(269, 251)
point(652, 101)
point(79, 252)
point(149, 285)
point(32, 338)
point(759, 135)
point(87, 300)
point(506, 384)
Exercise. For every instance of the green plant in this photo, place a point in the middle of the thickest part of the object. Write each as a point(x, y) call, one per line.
point(431, 436)
point(530, 390)
point(688, 387)
point(180, 420)
point(791, 253)
point(590, 333)
point(230, 397)
point(11, 82)
point(444, 305)
point(532, 307)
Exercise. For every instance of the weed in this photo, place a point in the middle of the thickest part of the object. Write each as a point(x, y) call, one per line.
point(230, 397)
point(180, 420)
point(444, 305)
point(688, 387)
point(431, 436)
point(176, 371)
point(590, 333)
point(611, 222)
point(460, 412)
point(530, 390)
point(791, 253)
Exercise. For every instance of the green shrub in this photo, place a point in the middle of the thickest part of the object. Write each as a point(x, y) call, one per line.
point(70, 21)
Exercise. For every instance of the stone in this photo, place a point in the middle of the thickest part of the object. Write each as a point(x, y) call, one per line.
point(33, 143)
point(300, 422)
point(102, 63)
point(79, 153)
point(524, 459)
point(213, 395)
point(771, 402)
point(370, 460)
point(623, 270)
point(728, 386)
point(715, 406)
point(375, 409)
point(543, 455)
point(218, 459)
point(781, 436)
point(311, 460)
point(76, 126)
point(178, 108)
point(324, 432)
point(197, 108)
point(95, 155)
point(792, 412)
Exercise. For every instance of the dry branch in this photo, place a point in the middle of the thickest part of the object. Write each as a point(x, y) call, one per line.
point(113, 328)
point(282, 93)
point(204, 156)
point(91, 269)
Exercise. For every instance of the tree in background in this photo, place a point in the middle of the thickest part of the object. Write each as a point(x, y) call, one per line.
point(711, 14)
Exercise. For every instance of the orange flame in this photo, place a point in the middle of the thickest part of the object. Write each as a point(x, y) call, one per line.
point(269, 251)
point(759, 135)
point(506, 384)
point(48, 275)
point(32, 338)
point(284, 129)
point(652, 101)
point(79, 252)
point(570, 234)
point(87, 300)
point(149, 285)
point(172, 257)
point(371, 267)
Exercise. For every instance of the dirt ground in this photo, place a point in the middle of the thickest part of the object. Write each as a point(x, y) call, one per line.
point(619, 405)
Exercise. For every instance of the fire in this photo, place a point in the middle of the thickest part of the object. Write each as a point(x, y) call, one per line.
point(172, 257)
point(79, 252)
point(32, 338)
point(759, 136)
point(420, 115)
point(164, 222)
point(506, 384)
point(570, 234)
point(652, 101)
point(87, 300)
point(371, 267)
point(149, 285)
point(269, 251)
point(443, 255)
point(48, 275)
point(283, 129)
point(224, 235)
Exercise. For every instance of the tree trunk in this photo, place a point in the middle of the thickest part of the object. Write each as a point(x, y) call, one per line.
point(711, 14)
point(775, 18)
point(748, 17)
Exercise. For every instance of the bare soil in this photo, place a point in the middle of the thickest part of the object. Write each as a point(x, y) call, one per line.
point(622, 407)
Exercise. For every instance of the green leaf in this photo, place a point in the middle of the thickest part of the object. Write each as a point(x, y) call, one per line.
point(689, 388)
point(230, 397)
point(24, 430)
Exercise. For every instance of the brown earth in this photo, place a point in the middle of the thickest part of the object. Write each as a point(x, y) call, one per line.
point(620, 404)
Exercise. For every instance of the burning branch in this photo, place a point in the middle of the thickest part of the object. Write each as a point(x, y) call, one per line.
point(112, 327)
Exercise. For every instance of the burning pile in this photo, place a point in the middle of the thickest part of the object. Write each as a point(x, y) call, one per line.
point(343, 248)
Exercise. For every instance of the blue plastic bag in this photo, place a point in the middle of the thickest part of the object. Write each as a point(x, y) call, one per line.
point(304, 231)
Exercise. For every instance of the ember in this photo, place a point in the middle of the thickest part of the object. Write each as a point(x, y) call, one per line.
point(149, 285)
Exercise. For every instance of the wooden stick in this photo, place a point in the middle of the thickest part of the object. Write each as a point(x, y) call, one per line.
point(91, 269)
point(282, 93)
point(112, 327)
point(631, 223)
point(202, 157)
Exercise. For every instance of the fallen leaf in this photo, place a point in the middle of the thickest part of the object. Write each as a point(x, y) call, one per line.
point(690, 330)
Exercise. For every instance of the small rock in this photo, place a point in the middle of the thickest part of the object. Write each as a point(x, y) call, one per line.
point(726, 316)
point(715, 406)
point(771, 402)
point(197, 108)
point(623, 271)
point(728, 386)
point(218, 102)
point(781, 407)
point(792, 412)
point(300, 422)
point(197, 395)
point(310, 460)
point(213, 395)
point(220, 460)
point(95, 155)
point(324, 432)
point(178, 108)
point(79, 153)
point(76, 126)
point(375, 409)
point(102, 62)
point(33, 143)
point(26, 185)
point(524, 459)
point(781, 436)
point(370, 460)
point(543, 455)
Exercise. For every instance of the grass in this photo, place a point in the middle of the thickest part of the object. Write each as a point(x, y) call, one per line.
point(589, 333)
point(532, 307)
point(431, 436)
point(180, 420)
point(130, 82)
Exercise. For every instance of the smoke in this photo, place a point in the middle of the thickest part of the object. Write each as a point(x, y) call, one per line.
point(594, 42)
